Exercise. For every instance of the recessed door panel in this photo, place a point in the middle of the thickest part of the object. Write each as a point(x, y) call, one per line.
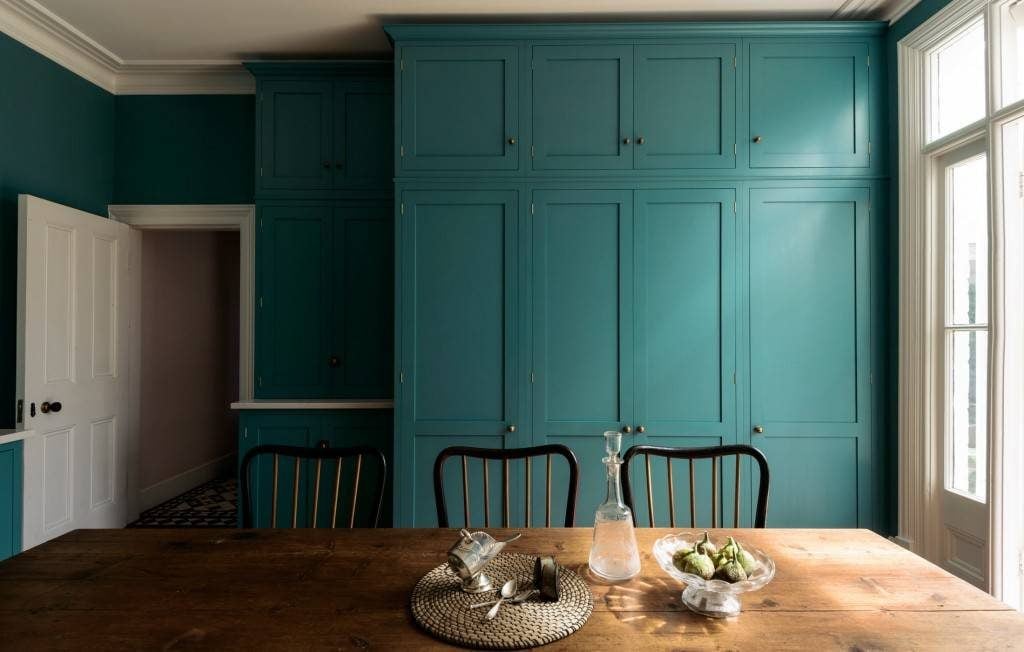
point(295, 135)
point(363, 134)
point(485, 508)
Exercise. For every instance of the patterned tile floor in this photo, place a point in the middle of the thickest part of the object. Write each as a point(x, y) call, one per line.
point(213, 504)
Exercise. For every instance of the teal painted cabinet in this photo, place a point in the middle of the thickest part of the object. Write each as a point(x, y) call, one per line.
point(307, 428)
point(363, 125)
point(324, 302)
point(461, 108)
point(295, 135)
point(582, 107)
point(458, 283)
point(809, 104)
point(810, 405)
point(686, 106)
point(11, 491)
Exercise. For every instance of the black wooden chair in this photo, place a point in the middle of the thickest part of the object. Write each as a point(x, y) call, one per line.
point(505, 455)
point(324, 457)
point(715, 454)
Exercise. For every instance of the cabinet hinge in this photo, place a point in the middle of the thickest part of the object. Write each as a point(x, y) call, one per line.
point(259, 381)
point(401, 208)
point(869, 61)
point(261, 219)
point(401, 376)
point(533, 377)
point(734, 378)
point(261, 302)
point(533, 151)
point(735, 149)
point(401, 65)
point(734, 208)
point(261, 170)
point(533, 209)
point(245, 433)
point(401, 151)
point(734, 62)
point(869, 148)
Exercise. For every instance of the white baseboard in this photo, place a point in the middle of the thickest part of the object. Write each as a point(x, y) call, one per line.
point(176, 485)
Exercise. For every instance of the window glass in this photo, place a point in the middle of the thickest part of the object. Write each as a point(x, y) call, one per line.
point(957, 82)
point(1012, 56)
point(967, 431)
point(967, 202)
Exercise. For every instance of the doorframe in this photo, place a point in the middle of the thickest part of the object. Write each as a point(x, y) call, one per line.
point(209, 217)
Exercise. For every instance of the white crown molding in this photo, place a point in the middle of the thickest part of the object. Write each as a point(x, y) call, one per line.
point(38, 28)
point(887, 10)
point(898, 9)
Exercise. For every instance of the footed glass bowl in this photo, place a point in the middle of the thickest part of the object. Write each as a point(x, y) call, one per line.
point(713, 598)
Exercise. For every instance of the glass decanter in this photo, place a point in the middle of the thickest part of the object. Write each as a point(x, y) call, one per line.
point(614, 555)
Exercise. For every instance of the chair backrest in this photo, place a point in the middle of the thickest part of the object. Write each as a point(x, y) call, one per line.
point(715, 454)
point(325, 458)
point(505, 455)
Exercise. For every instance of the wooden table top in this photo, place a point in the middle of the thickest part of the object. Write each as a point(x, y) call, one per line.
point(312, 589)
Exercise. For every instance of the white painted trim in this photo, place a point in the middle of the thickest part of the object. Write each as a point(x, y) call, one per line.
point(37, 27)
point(348, 404)
point(11, 436)
point(212, 217)
point(859, 9)
point(176, 485)
point(898, 9)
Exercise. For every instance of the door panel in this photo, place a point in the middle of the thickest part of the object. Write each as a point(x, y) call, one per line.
point(582, 107)
point(686, 106)
point(582, 302)
point(295, 135)
point(341, 429)
point(457, 328)
point(809, 360)
point(459, 107)
point(363, 134)
point(291, 286)
point(362, 324)
point(421, 486)
point(283, 429)
point(685, 308)
point(809, 104)
point(10, 499)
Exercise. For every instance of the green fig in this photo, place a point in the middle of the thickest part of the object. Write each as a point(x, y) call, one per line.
point(679, 557)
point(731, 571)
point(699, 564)
point(729, 549)
point(704, 546)
point(746, 560)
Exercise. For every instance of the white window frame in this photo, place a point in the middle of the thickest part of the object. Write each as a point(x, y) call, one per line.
point(921, 278)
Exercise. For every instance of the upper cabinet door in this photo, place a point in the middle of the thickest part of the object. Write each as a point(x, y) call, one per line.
point(363, 134)
point(809, 105)
point(686, 106)
point(583, 107)
point(291, 315)
point(459, 108)
point(295, 135)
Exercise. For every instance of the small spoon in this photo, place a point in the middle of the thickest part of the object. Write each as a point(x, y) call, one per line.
point(508, 589)
point(520, 597)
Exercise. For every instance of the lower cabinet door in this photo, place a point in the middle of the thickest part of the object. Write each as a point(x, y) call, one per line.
point(810, 400)
point(355, 428)
point(11, 489)
point(485, 497)
point(286, 429)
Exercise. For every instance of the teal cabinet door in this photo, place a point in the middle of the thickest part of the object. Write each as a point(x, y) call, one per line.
point(686, 106)
point(355, 428)
point(285, 429)
point(295, 135)
point(582, 313)
point(292, 358)
point(361, 300)
point(11, 491)
point(459, 108)
point(458, 287)
point(809, 352)
point(482, 513)
point(582, 107)
point(363, 134)
point(809, 104)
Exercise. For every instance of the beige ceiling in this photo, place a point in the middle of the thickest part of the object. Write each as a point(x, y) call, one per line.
point(233, 30)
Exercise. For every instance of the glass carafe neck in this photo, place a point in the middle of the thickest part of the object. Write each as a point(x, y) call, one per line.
point(614, 495)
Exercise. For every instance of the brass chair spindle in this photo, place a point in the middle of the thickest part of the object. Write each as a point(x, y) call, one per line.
point(295, 493)
point(487, 497)
point(465, 489)
point(504, 493)
point(316, 490)
point(650, 490)
point(273, 500)
point(355, 491)
point(671, 494)
point(714, 492)
point(527, 461)
point(337, 492)
point(736, 497)
point(693, 497)
point(547, 511)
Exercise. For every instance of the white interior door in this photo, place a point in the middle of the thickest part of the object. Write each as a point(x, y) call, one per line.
point(72, 371)
point(963, 388)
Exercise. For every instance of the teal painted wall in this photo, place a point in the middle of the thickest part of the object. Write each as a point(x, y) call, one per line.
point(911, 20)
point(57, 142)
point(184, 149)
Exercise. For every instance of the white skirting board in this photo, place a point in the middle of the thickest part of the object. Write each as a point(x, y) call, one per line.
point(176, 485)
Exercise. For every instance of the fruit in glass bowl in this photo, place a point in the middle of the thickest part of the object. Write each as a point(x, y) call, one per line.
point(714, 597)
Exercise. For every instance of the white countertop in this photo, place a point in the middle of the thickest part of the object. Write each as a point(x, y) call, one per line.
point(315, 404)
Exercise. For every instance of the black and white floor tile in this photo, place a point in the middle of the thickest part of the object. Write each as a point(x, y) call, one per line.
point(213, 504)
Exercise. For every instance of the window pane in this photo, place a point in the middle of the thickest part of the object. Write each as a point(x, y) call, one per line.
point(968, 224)
point(967, 430)
point(958, 82)
point(1012, 60)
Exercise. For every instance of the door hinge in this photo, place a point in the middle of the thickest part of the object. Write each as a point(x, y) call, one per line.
point(869, 148)
point(734, 62)
point(401, 376)
point(734, 208)
point(401, 65)
point(401, 208)
point(533, 377)
point(734, 378)
point(869, 61)
point(735, 149)
point(259, 381)
point(401, 151)
point(261, 224)
point(261, 301)
point(1020, 185)
point(245, 433)
point(261, 170)
point(20, 412)
point(533, 209)
point(533, 151)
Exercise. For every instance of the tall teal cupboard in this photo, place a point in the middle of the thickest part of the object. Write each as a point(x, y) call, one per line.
point(683, 243)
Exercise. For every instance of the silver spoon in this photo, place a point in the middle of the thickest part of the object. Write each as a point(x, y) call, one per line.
point(508, 589)
point(520, 597)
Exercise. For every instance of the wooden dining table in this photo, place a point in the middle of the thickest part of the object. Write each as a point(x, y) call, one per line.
point(319, 589)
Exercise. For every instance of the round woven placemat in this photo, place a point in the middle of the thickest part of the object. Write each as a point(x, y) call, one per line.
point(441, 607)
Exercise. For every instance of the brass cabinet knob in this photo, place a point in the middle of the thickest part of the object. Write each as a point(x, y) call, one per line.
point(757, 139)
point(758, 430)
point(626, 141)
point(511, 427)
point(641, 140)
point(511, 140)
point(627, 429)
point(641, 429)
